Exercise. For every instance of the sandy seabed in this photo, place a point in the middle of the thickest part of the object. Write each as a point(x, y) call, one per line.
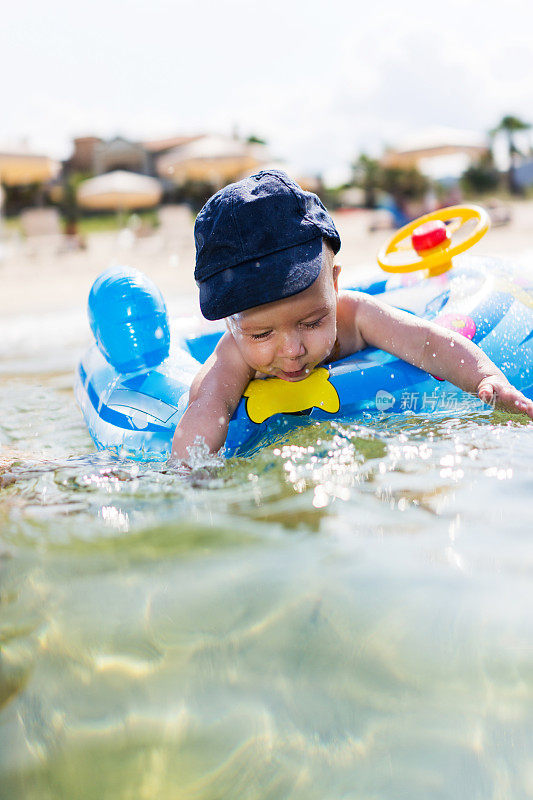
point(43, 275)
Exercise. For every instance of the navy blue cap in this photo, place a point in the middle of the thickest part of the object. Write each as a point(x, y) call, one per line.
point(259, 240)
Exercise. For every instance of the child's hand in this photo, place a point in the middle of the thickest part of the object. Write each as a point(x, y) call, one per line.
point(497, 391)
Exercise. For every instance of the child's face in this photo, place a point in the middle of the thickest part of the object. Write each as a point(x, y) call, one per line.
point(289, 337)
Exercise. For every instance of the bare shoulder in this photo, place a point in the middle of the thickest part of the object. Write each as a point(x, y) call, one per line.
point(388, 328)
point(225, 372)
point(351, 306)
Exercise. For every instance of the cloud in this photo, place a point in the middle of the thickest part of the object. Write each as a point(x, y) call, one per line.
point(320, 84)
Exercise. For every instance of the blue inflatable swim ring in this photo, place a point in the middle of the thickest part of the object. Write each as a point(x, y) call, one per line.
point(132, 385)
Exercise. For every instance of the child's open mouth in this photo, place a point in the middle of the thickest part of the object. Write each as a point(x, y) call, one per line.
point(294, 376)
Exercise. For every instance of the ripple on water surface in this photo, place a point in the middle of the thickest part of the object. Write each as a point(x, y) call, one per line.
point(344, 614)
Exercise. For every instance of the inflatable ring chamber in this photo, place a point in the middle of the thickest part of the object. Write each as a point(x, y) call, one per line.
point(132, 384)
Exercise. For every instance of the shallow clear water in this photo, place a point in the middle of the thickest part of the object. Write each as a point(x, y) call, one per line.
point(347, 614)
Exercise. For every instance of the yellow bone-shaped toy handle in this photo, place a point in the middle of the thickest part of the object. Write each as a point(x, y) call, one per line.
point(269, 396)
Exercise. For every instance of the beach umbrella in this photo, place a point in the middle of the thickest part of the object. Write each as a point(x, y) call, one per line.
point(212, 159)
point(20, 167)
point(119, 191)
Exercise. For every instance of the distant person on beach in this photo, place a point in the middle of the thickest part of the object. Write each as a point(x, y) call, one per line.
point(265, 262)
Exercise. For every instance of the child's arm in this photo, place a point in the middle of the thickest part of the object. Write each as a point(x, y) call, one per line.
point(215, 393)
point(441, 352)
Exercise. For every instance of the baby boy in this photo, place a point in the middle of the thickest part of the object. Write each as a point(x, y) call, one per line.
point(265, 262)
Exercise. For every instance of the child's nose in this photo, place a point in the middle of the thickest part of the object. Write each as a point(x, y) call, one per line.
point(292, 346)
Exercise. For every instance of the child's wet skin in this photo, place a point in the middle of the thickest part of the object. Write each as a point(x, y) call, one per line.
point(289, 337)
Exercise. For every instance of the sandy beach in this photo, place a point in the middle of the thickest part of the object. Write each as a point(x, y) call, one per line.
point(42, 275)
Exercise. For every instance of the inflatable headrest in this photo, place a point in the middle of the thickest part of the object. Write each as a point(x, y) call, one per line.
point(129, 320)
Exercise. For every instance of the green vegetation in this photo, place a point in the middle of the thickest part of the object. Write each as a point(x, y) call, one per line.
point(255, 140)
point(95, 223)
point(367, 176)
point(68, 203)
point(194, 193)
point(402, 184)
point(16, 198)
point(98, 223)
point(481, 178)
point(12, 224)
point(332, 198)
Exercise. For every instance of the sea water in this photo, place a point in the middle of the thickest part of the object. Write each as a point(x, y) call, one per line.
point(344, 615)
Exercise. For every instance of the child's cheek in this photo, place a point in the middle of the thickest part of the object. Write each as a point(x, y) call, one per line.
point(325, 341)
point(259, 354)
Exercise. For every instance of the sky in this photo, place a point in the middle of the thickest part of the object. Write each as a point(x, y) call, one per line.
point(320, 81)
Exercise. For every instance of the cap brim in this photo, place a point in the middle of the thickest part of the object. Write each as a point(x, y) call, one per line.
point(254, 283)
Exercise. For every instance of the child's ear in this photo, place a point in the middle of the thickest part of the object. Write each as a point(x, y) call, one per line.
point(336, 273)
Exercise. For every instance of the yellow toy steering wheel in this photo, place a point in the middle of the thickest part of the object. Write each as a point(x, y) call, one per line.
point(431, 240)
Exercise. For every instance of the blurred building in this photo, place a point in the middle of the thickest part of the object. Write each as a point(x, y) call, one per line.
point(158, 147)
point(211, 158)
point(19, 166)
point(94, 155)
point(120, 154)
point(442, 154)
point(215, 159)
point(82, 158)
point(309, 183)
point(24, 175)
point(189, 167)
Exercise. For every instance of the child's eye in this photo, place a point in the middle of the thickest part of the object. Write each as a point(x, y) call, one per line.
point(311, 325)
point(263, 335)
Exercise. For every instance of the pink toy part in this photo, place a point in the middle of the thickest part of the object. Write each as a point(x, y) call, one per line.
point(461, 323)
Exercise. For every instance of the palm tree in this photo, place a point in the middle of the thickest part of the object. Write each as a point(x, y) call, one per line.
point(510, 125)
